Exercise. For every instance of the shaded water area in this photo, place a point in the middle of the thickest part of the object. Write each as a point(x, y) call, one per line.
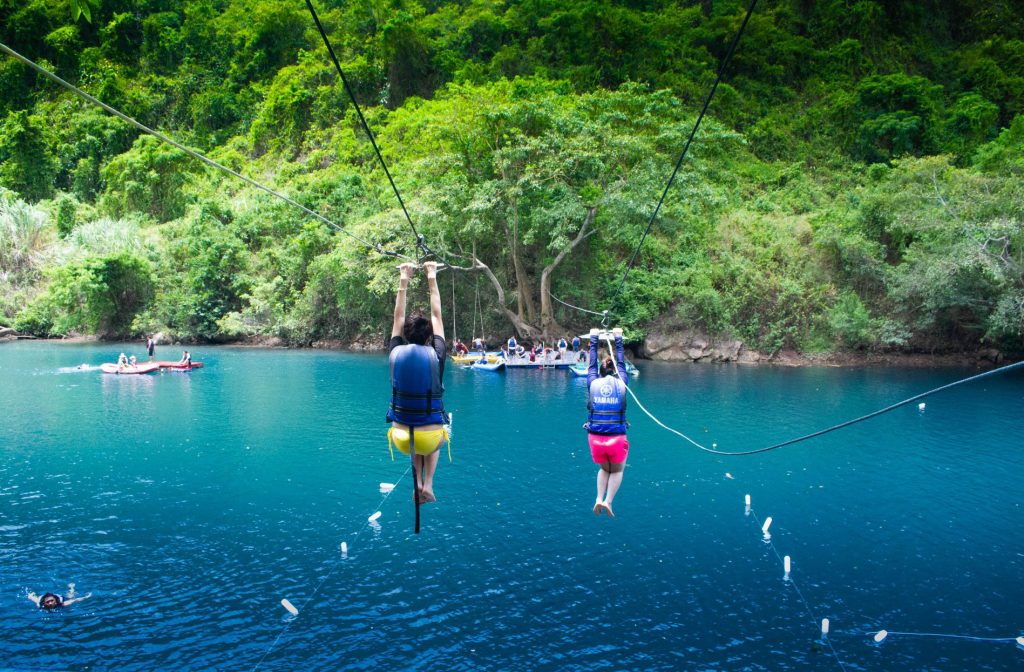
point(190, 504)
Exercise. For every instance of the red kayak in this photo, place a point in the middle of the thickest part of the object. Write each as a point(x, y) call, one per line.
point(147, 367)
point(178, 366)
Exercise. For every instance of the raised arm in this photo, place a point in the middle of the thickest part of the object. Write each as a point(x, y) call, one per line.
point(405, 272)
point(592, 369)
point(435, 298)
point(620, 356)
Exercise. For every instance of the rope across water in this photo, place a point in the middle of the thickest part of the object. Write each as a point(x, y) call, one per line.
point(820, 432)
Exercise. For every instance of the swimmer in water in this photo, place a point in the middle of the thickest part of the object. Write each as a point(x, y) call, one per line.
point(51, 601)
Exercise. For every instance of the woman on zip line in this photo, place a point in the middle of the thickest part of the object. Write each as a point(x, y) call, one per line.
point(417, 354)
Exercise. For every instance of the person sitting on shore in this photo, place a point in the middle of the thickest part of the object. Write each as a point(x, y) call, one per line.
point(51, 601)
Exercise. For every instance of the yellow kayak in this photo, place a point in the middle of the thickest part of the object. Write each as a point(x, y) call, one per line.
point(473, 357)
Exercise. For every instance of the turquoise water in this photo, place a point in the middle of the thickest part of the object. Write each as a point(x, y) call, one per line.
point(190, 504)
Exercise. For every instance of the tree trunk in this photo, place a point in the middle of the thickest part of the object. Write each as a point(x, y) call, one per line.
point(522, 328)
point(524, 288)
point(550, 328)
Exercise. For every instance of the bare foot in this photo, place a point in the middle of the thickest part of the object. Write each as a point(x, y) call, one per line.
point(427, 496)
point(607, 508)
point(597, 508)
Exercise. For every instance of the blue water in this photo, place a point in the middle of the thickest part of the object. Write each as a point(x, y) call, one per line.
point(190, 504)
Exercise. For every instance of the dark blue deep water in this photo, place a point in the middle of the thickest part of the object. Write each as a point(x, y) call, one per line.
point(191, 504)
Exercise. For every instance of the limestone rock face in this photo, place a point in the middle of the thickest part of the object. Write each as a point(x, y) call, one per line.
point(694, 346)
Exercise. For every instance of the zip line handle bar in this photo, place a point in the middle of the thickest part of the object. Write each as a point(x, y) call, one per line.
point(440, 267)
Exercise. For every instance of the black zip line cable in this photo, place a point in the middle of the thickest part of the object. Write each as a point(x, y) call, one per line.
point(421, 244)
point(191, 152)
point(693, 133)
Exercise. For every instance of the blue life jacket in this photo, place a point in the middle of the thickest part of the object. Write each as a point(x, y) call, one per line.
point(416, 387)
point(511, 344)
point(606, 406)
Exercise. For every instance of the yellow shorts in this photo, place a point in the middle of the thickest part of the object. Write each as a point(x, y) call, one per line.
point(427, 442)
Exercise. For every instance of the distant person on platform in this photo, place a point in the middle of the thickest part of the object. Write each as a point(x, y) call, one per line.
point(186, 358)
point(51, 601)
point(417, 353)
point(576, 344)
point(151, 347)
point(513, 347)
point(478, 344)
point(606, 420)
point(460, 347)
point(563, 345)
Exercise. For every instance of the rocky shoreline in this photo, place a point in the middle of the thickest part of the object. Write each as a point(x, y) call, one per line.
point(693, 347)
point(690, 346)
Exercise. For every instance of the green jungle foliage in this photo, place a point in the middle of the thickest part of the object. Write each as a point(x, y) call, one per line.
point(858, 183)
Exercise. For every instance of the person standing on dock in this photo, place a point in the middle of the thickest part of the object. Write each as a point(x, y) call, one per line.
point(606, 420)
point(512, 346)
point(417, 353)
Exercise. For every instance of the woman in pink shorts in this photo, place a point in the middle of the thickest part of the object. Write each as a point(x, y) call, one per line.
point(606, 420)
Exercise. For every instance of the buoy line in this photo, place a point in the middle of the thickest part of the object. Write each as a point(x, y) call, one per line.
point(386, 489)
point(786, 563)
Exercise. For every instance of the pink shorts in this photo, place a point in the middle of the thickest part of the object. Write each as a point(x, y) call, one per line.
point(608, 448)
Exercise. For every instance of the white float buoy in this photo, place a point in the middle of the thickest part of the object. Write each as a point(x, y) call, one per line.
point(1020, 641)
point(824, 627)
point(746, 499)
point(881, 635)
point(374, 517)
point(714, 445)
point(920, 406)
point(290, 607)
point(786, 564)
point(728, 475)
point(344, 549)
point(386, 488)
point(767, 524)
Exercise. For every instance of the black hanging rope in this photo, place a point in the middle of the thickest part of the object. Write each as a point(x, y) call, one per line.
point(693, 133)
point(191, 152)
point(420, 241)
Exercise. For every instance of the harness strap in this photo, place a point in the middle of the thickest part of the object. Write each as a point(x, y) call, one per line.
point(415, 477)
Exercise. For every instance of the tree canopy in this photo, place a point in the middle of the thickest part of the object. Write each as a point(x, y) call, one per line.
point(856, 184)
